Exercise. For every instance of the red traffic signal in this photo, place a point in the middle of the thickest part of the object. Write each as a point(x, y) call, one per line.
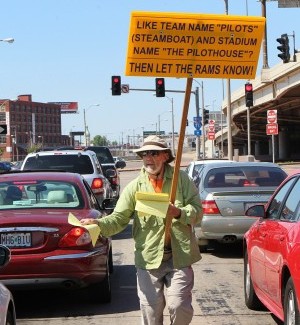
point(249, 94)
point(160, 87)
point(116, 85)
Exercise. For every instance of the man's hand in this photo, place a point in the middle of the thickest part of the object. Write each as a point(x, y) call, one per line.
point(173, 211)
point(89, 221)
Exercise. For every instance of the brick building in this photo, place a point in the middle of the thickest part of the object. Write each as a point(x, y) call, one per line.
point(29, 124)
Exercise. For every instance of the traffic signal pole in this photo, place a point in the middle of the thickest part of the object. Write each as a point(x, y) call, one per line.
point(196, 93)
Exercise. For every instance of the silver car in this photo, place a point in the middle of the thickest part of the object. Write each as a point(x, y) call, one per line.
point(7, 304)
point(226, 190)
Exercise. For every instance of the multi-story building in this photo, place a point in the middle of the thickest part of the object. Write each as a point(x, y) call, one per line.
point(28, 125)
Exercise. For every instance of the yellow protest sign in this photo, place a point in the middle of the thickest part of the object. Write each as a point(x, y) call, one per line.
point(194, 45)
point(152, 204)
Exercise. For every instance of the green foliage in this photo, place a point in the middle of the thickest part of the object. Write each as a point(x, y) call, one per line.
point(100, 141)
point(34, 147)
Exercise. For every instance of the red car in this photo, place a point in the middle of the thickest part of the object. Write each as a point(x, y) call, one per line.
point(46, 250)
point(272, 254)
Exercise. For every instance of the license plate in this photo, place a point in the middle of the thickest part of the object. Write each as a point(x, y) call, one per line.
point(20, 239)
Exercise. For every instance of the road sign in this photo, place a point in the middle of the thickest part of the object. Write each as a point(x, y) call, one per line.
point(125, 88)
point(3, 129)
point(272, 116)
point(184, 45)
point(211, 122)
point(197, 122)
point(272, 129)
point(211, 127)
point(197, 132)
point(211, 135)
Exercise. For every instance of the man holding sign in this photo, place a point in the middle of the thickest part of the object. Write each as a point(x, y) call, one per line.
point(159, 268)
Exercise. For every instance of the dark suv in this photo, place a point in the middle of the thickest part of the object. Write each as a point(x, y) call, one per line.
point(107, 162)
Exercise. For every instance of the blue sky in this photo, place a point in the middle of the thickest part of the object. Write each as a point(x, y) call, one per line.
point(67, 50)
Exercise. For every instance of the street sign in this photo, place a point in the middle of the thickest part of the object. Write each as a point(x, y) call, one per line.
point(272, 116)
point(211, 135)
point(211, 122)
point(211, 127)
point(3, 129)
point(272, 129)
point(197, 122)
point(147, 133)
point(197, 133)
point(125, 88)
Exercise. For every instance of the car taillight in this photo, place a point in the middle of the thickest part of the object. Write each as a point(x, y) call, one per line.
point(76, 237)
point(210, 207)
point(97, 184)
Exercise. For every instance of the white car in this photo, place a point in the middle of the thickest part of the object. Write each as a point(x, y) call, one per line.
point(7, 305)
point(83, 162)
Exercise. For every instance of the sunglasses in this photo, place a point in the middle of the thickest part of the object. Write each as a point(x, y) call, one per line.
point(153, 153)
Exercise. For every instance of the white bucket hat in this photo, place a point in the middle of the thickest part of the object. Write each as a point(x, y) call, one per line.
point(153, 142)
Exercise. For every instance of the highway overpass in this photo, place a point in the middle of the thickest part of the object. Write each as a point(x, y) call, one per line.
point(277, 88)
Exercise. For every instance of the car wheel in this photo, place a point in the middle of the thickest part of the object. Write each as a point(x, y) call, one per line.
point(291, 311)
point(101, 291)
point(9, 318)
point(251, 299)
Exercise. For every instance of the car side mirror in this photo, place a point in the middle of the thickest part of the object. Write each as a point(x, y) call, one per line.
point(110, 173)
point(120, 164)
point(109, 204)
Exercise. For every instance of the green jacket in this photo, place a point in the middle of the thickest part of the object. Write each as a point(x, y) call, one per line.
point(149, 231)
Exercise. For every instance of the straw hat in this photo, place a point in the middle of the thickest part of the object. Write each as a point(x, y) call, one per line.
point(153, 142)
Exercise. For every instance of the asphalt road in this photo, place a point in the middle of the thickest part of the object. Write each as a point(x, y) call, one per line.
point(217, 295)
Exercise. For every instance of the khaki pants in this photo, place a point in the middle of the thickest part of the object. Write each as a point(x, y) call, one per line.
point(178, 284)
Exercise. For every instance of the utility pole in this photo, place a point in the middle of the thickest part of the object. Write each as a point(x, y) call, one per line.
point(198, 115)
point(229, 118)
point(203, 121)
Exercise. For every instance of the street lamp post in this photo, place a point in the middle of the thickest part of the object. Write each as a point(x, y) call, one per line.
point(85, 126)
point(172, 112)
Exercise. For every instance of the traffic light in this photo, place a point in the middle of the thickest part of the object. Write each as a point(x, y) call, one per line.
point(249, 94)
point(116, 85)
point(284, 48)
point(206, 116)
point(160, 87)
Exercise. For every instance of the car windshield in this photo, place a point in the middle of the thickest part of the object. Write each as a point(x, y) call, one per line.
point(80, 164)
point(42, 194)
point(244, 176)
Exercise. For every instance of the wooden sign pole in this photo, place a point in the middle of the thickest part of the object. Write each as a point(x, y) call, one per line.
point(178, 157)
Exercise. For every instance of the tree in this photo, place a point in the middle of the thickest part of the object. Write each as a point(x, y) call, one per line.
point(100, 141)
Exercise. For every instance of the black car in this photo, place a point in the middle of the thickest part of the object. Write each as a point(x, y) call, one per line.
point(107, 162)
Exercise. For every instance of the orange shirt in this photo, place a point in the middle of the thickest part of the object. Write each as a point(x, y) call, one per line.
point(157, 184)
